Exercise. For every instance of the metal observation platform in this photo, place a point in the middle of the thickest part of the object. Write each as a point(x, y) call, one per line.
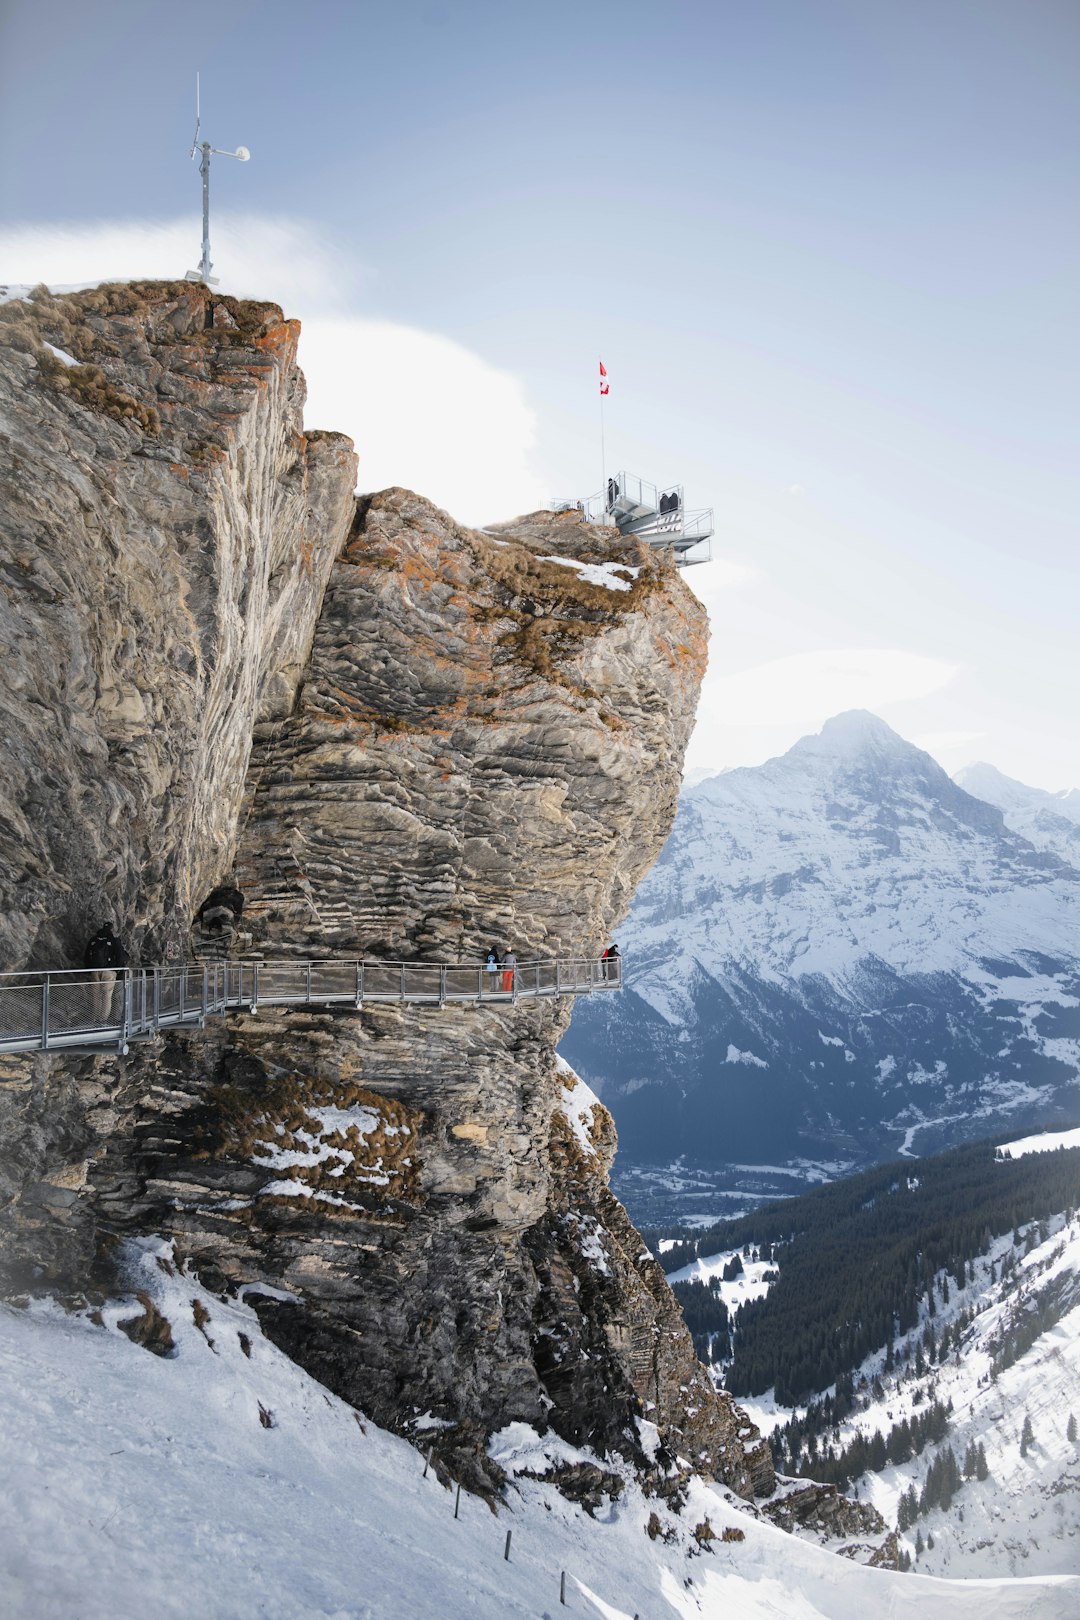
point(65, 1010)
point(658, 516)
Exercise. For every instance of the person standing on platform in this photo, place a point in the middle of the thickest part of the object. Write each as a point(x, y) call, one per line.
point(491, 967)
point(509, 963)
point(103, 956)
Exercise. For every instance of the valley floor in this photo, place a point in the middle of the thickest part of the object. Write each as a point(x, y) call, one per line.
point(698, 1196)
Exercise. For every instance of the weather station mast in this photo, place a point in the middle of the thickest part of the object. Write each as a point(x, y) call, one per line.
point(242, 153)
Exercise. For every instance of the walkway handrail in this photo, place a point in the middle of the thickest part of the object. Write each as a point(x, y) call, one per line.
point(85, 1009)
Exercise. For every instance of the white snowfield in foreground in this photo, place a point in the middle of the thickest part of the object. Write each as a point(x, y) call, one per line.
point(135, 1485)
point(1048, 1142)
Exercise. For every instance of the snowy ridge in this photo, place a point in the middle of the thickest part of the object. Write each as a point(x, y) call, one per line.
point(220, 1481)
point(1050, 821)
point(874, 853)
point(840, 953)
point(1047, 1142)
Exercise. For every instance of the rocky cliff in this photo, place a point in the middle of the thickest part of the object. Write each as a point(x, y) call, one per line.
point(401, 739)
point(168, 530)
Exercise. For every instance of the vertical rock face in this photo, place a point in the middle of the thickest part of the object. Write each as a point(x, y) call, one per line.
point(478, 743)
point(166, 530)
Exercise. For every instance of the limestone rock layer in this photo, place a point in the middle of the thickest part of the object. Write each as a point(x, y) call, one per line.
point(400, 739)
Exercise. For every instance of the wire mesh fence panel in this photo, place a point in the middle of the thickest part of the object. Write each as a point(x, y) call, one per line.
point(570, 974)
point(384, 982)
point(528, 979)
point(79, 1002)
point(490, 983)
point(421, 982)
point(21, 1009)
point(333, 981)
point(465, 983)
point(239, 983)
point(282, 981)
point(180, 993)
point(217, 998)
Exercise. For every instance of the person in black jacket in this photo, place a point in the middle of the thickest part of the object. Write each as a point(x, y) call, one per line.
point(491, 967)
point(104, 954)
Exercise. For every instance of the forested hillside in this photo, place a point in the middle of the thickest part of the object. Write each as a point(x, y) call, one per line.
point(854, 1260)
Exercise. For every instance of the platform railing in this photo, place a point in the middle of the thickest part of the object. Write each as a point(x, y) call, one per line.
point(70, 1009)
point(633, 505)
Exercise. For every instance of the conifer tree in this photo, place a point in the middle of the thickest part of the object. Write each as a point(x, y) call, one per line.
point(1070, 1430)
point(1027, 1435)
point(982, 1470)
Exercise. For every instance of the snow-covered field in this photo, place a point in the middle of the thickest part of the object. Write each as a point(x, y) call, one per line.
point(1047, 1142)
point(751, 1283)
point(221, 1482)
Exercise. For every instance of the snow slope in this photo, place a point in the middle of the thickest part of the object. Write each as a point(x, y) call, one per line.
point(221, 1481)
point(840, 954)
point(1050, 821)
point(1046, 1142)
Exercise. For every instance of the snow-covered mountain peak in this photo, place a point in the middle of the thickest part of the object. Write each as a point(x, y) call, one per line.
point(857, 774)
point(840, 937)
point(988, 783)
point(1050, 821)
point(855, 734)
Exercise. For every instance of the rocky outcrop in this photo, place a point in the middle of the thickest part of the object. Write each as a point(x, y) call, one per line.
point(166, 531)
point(822, 1509)
point(398, 738)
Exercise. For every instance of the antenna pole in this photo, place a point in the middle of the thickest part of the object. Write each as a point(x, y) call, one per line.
point(204, 170)
point(241, 154)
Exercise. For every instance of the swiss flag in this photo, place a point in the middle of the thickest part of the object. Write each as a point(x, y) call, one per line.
point(603, 379)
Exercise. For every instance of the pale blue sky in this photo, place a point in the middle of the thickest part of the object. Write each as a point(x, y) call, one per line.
point(828, 249)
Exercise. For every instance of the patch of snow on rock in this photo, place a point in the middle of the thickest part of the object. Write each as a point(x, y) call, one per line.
point(610, 575)
point(735, 1056)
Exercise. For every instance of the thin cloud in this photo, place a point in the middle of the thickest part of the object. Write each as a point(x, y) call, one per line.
point(806, 689)
point(946, 742)
point(748, 715)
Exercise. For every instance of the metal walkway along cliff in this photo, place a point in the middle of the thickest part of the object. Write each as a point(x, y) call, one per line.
point(63, 1010)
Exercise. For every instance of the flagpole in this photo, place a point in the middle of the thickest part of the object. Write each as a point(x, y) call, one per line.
point(603, 452)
